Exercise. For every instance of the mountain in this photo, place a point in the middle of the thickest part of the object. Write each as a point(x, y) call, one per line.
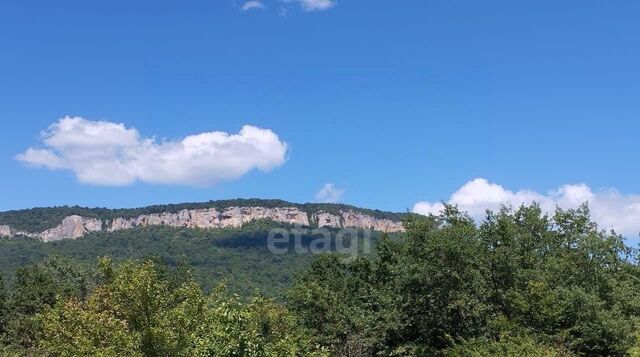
point(221, 241)
point(57, 223)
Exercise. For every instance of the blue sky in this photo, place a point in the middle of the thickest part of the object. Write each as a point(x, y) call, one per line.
point(391, 102)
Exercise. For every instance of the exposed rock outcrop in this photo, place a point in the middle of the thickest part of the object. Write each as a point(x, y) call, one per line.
point(73, 227)
point(6, 231)
point(354, 219)
point(213, 218)
point(325, 219)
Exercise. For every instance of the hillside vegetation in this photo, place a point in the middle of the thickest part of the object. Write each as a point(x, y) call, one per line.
point(238, 256)
point(519, 284)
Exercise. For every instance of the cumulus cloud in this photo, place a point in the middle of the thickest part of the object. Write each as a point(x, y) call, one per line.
point(329, 193)
point(609, 208)
point(107, 153)
point(253, 4)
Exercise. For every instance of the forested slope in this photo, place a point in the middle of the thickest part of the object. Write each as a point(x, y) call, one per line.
point(239, 256)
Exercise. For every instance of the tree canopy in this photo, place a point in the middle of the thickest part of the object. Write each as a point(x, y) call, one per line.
point(521, 281)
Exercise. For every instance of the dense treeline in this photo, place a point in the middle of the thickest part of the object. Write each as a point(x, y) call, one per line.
point(519, 284)
point(36, 220)
point(139, 309)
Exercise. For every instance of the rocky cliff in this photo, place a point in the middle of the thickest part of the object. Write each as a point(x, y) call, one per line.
point(71, 227)
point(75, 226)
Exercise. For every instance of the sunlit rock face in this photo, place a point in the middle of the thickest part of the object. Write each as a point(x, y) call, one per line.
point(213, 218)
point(359, 220)
point(73, 227)
point(325, 219)
point(354, 219)
point(6, 231)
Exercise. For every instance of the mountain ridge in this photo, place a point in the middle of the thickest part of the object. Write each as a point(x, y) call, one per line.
point(55, 223)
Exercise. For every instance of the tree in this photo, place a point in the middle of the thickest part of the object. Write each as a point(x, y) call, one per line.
point(74, 328)
point(258, 328)
point(3, 306)
point(337, 300)
point(39, 286)
point(524, 346)
point(519, 282)
point(140, 310)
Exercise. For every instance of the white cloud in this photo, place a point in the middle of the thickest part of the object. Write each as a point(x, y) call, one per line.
point(609, 208)
point(41, 158)
point(106, 153)
point(253, 4)
point(306, 5)
point(329, 193)
point(314, 5)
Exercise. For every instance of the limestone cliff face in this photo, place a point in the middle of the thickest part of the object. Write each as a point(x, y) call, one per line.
point(354, 219)
point(6, 231)
point(325, 219)
point(213, 218)
point(73, 227)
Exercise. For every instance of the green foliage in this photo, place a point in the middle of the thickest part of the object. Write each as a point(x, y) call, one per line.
point(39, 286)
point(339, 302)
point(237, 256)
point(3, 306)
point(557, 280)
point(258, 328)
point(506, 347)
point(634, 351)
point(75, 328)
point(440, 268)
point(521, 283)
point(139, 312)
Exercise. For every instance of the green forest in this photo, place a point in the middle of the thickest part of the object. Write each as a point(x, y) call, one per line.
point(239, 257)
point(519, 283)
